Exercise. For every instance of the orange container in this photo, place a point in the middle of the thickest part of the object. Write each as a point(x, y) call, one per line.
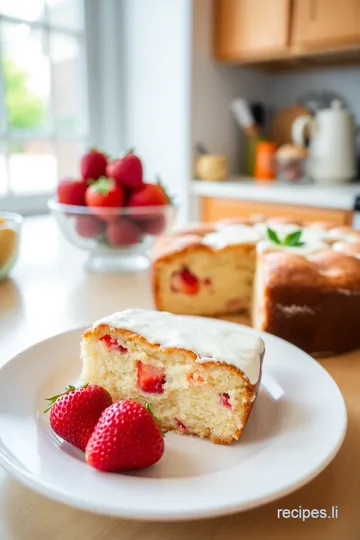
point(265, 161)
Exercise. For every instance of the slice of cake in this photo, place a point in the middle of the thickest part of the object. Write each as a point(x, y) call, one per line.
point(200, 376)
point(206, 275)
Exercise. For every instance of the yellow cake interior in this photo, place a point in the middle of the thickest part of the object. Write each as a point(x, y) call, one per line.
point(210, 400)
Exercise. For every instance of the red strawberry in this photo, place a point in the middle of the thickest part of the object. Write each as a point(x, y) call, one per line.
point(93, 165)
point(75, 413)
point(103, 194)
point(150, 378)
point(89, 226)
point(184, 281)
point(70, 191)
point(152, 224)
point(123, 232)
point(127, 171)
point(126, 437)
point(149, 195)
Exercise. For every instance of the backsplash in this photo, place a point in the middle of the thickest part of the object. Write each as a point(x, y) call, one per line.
point(285, 88)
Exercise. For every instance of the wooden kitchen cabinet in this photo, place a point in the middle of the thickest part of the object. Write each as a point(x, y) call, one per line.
point(213, 209)
point(251, 28)
point(280, 33)
point(324, 23)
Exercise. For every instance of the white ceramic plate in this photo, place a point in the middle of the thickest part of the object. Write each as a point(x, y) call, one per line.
point(296, 428)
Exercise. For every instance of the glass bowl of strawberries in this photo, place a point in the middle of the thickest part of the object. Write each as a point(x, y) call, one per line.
point(112, 213)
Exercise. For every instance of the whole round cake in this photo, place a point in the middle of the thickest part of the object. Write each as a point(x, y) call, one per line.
point(299, 281)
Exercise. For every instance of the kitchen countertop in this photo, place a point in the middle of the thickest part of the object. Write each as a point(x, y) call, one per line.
point(49, 293)
point(340, 197)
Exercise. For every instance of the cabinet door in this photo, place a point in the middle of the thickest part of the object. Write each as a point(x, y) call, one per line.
point(248, 28)
point(213, 209)
point(326, 22)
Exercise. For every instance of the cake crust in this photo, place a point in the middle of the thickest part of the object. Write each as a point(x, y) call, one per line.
point(314, 304)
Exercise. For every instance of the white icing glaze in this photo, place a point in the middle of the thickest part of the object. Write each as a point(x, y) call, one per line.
point(308, 248)
point(232, 234)
point(208, 338)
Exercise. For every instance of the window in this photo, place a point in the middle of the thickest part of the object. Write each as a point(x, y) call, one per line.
point(43, 98)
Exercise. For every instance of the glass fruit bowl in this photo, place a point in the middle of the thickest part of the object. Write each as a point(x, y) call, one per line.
point(117, 239)
point(10, 225)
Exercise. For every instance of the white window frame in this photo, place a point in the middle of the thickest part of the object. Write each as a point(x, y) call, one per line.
point(103, 97)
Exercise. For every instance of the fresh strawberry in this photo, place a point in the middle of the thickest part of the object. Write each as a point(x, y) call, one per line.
point(126, 437)
point(103, 194)
point(127, 171)
point(150, 378)
point(184, 281)
point(149, 195)
point(123, 232)
point(89, 226)
point(70, 191)
point(75, 413)
point(93, 165)
point(152, 224)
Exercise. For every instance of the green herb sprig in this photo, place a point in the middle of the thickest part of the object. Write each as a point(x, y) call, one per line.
point(291, 240)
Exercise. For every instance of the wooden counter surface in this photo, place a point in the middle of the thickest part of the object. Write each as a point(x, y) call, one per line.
point(50, 292)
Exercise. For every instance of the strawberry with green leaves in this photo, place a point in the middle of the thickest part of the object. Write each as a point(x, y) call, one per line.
point(75, 413)
point(103, 194)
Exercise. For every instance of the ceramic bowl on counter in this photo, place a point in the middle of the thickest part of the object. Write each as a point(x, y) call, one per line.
point(10, 227)
point(117, 239)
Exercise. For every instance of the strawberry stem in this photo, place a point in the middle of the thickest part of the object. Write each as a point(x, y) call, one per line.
point(103, 185)
point(69, 388)
point(130, 151)
point(170, 200)
point(149, 409)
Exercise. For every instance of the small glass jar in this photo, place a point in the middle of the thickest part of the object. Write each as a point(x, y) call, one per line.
point(291, 164)
point(10, 225)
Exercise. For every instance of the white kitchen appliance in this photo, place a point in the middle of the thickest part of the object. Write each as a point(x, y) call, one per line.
point(332, 147)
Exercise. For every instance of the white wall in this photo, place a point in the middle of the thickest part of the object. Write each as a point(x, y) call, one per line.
point(157, 75)
point(213, 87)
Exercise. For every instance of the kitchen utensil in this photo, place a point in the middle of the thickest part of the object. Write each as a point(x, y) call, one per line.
point(296, 428)
point(258, 114)
point(135, 235)
point(281, 125)
point(332, 149)
point(245, 119)
point(264, 160)
point(290, 163)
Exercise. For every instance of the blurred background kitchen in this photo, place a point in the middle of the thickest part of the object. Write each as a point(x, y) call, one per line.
point(242, 106)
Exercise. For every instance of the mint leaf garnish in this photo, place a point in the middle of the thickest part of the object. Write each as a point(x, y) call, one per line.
point(291, 240)
point(294, 239)
point(273, 236)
